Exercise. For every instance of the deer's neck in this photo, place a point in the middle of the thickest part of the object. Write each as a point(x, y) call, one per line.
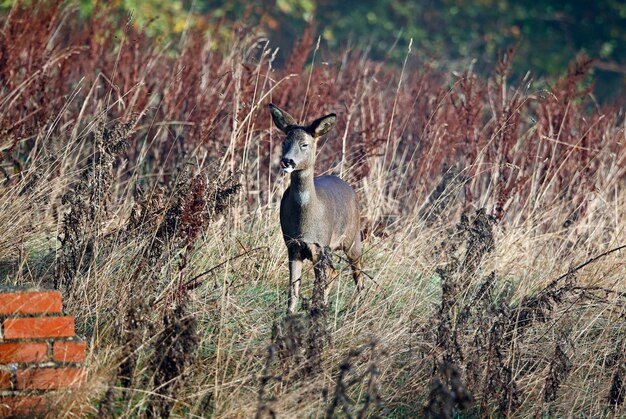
point(302, 188)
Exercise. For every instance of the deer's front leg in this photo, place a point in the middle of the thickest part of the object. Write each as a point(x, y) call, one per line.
point(295, 271)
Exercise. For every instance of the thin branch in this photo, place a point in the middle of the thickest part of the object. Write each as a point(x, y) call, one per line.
point(579, 267)
point(190, 283)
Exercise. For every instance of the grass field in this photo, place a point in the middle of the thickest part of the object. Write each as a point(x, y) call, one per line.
point(142, 180)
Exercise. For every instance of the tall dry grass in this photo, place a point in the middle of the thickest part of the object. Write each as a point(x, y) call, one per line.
point(141, 180)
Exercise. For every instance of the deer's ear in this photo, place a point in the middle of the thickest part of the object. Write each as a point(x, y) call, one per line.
point(281, 118)
point(322, 125)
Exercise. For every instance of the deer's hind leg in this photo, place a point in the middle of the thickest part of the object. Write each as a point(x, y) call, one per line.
point(355, 255)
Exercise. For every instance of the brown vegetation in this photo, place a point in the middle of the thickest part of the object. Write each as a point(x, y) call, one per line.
point(141, 179)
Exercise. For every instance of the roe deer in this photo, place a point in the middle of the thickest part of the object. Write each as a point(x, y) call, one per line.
point(315, 212)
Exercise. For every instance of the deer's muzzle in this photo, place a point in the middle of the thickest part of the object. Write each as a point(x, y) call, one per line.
point(287, 165)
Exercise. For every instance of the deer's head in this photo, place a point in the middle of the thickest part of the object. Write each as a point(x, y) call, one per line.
point(300, 143)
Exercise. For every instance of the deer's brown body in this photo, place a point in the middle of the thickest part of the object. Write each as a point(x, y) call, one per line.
point(315, 212)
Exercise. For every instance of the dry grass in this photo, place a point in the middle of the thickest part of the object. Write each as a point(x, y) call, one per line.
point(142, 181)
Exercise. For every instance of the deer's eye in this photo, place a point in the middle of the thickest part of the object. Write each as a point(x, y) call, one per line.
point(304, 145)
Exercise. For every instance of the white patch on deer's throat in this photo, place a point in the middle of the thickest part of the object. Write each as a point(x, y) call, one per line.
point(303, 198)
point(287, 169)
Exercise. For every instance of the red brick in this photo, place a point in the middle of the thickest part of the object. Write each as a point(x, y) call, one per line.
point(5, 380)
point(49, 378)
point(23, 352)
point(21, 405)
point(31, 302)
point(41, 327)
point(69, 351)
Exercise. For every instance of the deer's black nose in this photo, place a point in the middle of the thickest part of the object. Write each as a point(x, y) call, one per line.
point(285, 162)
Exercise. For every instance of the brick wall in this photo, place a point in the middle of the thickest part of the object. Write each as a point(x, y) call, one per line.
point(40, 355)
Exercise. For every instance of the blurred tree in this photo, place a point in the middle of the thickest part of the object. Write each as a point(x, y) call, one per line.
point(158, 17)
point(447, 33)
point(549, 34)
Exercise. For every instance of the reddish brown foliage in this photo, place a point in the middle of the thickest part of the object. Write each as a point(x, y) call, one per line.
point(206, 104)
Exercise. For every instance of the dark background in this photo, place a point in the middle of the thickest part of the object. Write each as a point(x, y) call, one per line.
point(447, 34)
